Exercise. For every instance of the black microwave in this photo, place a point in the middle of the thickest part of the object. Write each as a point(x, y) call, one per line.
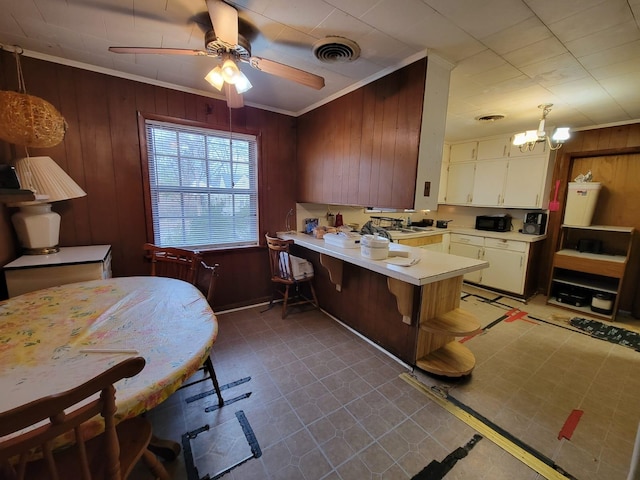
point(494, 223)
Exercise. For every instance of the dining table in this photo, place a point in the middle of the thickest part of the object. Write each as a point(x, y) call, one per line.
point(54, 339)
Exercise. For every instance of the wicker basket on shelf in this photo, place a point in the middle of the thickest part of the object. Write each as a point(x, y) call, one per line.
point(30, 121)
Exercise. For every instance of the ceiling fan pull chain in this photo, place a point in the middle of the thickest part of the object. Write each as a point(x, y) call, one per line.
point(231, 148)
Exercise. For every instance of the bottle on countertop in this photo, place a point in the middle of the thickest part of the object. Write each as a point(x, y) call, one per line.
point(408, 221)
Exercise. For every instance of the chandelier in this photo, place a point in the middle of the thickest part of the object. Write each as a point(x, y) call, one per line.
point(527, 141)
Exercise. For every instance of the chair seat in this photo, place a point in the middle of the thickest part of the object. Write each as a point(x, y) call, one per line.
point(289, 271)
point(133, 436)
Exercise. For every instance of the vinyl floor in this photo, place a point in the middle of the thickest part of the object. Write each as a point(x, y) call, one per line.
point(323, 403)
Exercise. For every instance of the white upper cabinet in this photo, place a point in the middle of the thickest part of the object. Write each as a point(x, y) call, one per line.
point(463, 152)
point(524, 186)
point(499, 177)
point(488, 181)
point(460, 183)
point(493, 148)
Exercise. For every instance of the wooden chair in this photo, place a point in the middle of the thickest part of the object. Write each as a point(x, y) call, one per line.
point(282, 274)
point(185, 265)
point(111, 455)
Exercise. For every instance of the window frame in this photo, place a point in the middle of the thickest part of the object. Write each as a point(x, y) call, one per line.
point(144, 157)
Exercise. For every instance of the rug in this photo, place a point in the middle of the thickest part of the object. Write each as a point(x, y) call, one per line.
point(606, 331)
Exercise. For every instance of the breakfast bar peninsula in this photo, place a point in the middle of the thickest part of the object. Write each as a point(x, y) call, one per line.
point(411, 311)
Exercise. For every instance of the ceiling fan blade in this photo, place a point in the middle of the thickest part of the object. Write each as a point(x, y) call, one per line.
point(285, 71)
point(234, 99)
point(166, 51)
point(224, 18)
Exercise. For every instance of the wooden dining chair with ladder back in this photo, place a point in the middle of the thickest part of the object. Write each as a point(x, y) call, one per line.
point(187, 265)
point(289, 271)
point(29, 432)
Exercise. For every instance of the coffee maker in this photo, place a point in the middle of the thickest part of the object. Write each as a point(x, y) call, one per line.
point(535, 223)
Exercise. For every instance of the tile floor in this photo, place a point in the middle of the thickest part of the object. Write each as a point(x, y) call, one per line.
point(325, 404)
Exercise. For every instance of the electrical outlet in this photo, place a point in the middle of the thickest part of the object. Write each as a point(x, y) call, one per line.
point(427, 189)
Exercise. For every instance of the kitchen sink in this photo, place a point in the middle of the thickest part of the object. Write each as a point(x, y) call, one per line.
point(416, 229)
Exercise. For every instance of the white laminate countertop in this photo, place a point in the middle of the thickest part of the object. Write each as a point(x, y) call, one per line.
point(515, 236)
point(432, 267)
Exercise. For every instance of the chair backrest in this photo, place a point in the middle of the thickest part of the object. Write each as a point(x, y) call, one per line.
point(51, 411)
point(279, 259)
point(181, 264)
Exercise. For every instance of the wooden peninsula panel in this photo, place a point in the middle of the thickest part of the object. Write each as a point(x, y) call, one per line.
point(412, 312)
point(366, 305)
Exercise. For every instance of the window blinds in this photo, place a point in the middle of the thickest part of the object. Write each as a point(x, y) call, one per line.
point(203, 186)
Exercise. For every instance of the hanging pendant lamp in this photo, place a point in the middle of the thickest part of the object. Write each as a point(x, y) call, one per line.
point(28, 120)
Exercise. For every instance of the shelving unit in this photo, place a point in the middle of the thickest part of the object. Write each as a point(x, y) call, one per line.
point(590, 273)
point(441, 322)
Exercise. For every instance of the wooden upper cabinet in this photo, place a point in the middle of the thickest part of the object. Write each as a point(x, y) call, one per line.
point(362, 148)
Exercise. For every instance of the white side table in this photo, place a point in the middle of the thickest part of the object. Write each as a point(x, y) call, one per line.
point(69, 265)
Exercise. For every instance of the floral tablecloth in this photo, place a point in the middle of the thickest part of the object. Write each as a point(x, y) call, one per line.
point(42, 333)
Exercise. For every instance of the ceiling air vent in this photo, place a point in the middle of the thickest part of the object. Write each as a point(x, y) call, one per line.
point(492, 117)
point(336, 49)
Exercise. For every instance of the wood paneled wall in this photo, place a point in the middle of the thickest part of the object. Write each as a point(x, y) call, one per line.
point(362, 148)
point(613, 155)
point(101, 153)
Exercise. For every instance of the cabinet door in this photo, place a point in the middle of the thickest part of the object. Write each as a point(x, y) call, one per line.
point(463, 152)
point(488, 182)
point(493, 148)
point(525, 182)
point(442, 188)
point(506, 270)
point(460, 183)
point(468, 251)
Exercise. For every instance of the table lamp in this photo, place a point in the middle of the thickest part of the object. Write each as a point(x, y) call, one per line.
point(37, 226)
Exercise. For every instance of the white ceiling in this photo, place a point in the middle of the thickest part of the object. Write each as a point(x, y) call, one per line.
point(510, 55)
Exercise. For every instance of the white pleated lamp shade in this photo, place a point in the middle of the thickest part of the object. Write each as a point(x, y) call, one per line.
point(44, 176)
point(37, 226)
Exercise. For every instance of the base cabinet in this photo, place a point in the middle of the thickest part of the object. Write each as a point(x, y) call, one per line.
point(71, 264)
point(508, 261)
point(468, 250)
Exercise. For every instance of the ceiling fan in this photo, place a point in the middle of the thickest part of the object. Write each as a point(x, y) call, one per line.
point(224, 42)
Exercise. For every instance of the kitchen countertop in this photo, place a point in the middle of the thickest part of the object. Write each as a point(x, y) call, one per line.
point(521, 237)
point(432, 266)
point(517, 236)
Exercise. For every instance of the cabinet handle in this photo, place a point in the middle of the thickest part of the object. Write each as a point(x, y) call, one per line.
point(537, 197)
point(473, 153)
point(498, 199)
point(504, 151)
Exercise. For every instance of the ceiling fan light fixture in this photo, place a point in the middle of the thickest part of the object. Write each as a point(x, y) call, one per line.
point(230, 71)
point(214, 77)
point(242, 83)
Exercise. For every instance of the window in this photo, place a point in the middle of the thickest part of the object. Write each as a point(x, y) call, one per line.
point(203, 193)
